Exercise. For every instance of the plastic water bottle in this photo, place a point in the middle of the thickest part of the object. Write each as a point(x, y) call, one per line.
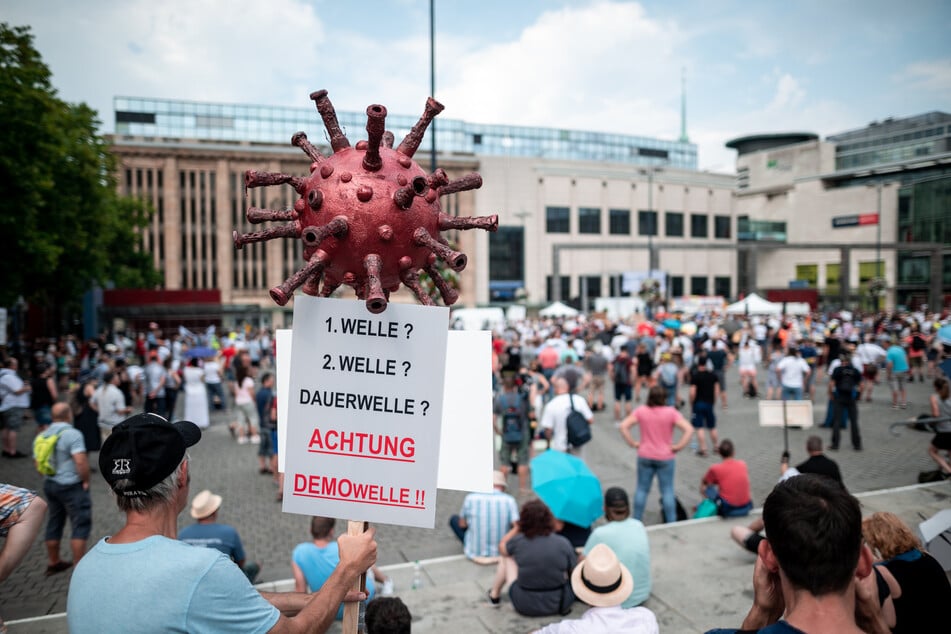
point(417, 576)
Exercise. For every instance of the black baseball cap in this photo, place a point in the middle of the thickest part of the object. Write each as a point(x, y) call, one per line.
point(145, 449)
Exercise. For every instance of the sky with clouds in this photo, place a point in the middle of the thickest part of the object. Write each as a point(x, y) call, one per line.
point(615, 66)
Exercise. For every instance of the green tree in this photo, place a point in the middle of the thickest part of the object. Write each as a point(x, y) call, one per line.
point(63, 225)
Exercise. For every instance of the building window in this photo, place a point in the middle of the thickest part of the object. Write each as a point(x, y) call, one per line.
point(557, 219)
point(565, 288)
point(507, 254)
point(590, 285)
point(674, 224)
point(619, 222)
point(722, 226)
point(698, 225)
point(808, 274)
point(721, 286)
point(676, 286)
point(832, 279)
point(647, 223)
point(589, 220)
point(698, 285)
point(616, 284)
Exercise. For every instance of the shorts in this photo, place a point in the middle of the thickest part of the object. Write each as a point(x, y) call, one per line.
point(870, 371)
point(518, 450)
point(13, 503)
point(12, 419)
point(274, 445)
point(942, 440)
point(67, 500)
point(703, 415)
point(721, 378)
point(597, 382)
point(917, 362)
point(898, 380)
point(751, 543)
point(43, 415)
point(622, 391)
point(265, 447)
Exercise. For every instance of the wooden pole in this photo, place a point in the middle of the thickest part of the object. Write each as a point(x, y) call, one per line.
point(353, 613)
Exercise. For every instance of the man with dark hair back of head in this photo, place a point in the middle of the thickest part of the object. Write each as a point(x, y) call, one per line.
point(818, 463)
point(627, 537)
point(388, 615)
point(163, 585)
point(813, 568)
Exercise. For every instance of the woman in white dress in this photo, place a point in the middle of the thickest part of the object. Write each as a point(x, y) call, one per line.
point(196, 395)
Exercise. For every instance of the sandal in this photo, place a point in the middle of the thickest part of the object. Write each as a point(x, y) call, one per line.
point(59, 566)
point(493, 601)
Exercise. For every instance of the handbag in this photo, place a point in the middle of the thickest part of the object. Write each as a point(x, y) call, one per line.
point(579, 431)
point(706, 508)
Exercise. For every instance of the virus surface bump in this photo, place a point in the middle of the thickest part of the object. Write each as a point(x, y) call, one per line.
point(368, 215)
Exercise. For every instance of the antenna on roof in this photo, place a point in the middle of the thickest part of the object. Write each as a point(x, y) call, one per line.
point(683, 106)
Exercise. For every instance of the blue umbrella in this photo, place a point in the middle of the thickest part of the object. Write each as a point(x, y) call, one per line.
point(673, 324)
point(944, 335)
point(569, 488)
point(200, 352)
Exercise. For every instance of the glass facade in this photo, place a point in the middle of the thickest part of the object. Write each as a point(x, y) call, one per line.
point(891, 141)
point(240, 123)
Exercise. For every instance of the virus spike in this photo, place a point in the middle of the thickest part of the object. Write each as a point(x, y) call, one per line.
point(410, 278)
point(449, 294)
point(469, 181)
point(300, 140)
point(403, 197)
point(256, 215)
point(253, 178)
point(376, 300)
point(412, 140)
point(312, 285)
point(338, 140)
point(456, 260)
point(388, 139)
point(437, 179)
point(488, 223)
point(376, 125)
point(315, 266)
point(286, 231)
point(328, 288)
point(312, 236)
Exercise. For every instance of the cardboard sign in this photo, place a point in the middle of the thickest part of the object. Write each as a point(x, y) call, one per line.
point(465, 442)
point(798, 413)
point(364, 411)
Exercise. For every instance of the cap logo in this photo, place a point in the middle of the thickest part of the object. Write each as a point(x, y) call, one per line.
point(121, 466)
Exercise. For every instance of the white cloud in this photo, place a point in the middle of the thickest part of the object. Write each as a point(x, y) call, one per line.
point(789, 94)
point(931, 75)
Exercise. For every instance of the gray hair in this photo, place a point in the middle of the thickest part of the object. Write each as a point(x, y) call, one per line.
point(159, 495)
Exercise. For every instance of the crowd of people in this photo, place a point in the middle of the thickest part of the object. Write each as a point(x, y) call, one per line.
point(550, 376)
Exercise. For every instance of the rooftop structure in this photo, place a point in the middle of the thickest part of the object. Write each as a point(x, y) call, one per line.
point(166, 120)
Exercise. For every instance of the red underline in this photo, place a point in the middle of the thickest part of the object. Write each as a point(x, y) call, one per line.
point(327, 497)
point(362, 455)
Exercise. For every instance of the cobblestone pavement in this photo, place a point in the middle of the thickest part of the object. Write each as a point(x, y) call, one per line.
point(269, 535)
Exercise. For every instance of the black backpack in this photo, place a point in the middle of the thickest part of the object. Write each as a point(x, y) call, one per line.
point(579, 431)
point(513, 419)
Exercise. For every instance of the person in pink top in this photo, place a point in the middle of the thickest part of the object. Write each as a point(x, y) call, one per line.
point(656, 449)
point(728, 484)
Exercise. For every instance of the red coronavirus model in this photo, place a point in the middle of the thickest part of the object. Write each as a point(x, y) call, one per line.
point(369, 215)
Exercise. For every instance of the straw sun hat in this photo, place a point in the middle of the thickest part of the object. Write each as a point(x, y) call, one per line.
point(204, 504)
point(601, 580)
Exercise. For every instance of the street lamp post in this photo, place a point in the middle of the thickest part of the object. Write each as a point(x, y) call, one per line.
point(652, 220)
point(878, 245)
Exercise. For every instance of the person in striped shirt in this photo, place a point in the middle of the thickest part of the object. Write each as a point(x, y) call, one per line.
point(484, 519)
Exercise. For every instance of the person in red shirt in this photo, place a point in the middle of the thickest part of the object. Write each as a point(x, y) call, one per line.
point(728, 484)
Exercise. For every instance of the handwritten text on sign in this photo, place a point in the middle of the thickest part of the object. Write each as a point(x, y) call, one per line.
point(364, 411)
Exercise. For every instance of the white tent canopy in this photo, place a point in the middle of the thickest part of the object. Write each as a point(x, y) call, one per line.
point(558, 309)
point(753, 304)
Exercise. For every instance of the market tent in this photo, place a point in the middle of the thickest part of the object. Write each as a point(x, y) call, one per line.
point(753, 304)
point(558, 309)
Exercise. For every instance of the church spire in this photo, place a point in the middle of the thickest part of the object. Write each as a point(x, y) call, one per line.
point(683, 106)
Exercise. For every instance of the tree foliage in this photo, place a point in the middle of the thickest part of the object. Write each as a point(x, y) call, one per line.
point(63, 225)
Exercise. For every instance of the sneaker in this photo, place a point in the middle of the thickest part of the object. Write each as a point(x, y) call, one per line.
point(242, 440)
point(388, 588)
point(255, 440)
point(904, 405)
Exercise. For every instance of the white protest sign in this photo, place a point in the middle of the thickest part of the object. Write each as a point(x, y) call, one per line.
point(466, 439)
point(797, 414)
point(364, 411)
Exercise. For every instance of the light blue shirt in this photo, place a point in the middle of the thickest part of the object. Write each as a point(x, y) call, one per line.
point(70, 443)
point(163, 585)
point(897, 357)
point(489, 517)
point(318, 564)
point(628, 540)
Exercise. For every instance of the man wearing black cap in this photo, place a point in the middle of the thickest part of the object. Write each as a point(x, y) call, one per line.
point(159, 584)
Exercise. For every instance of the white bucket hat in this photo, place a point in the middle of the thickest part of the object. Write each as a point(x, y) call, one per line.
point(204, 504)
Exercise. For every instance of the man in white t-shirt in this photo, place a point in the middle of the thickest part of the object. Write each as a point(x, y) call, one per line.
point(792, 370)
point(555, 416)
point(110, 403)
